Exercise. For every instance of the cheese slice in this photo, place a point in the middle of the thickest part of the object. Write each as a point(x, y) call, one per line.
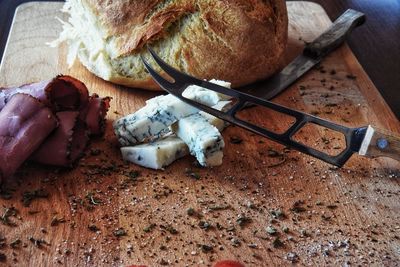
point(156, 155)
point(164, 151)
point(160, 112)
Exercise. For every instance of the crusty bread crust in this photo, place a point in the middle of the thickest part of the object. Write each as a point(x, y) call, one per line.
point(240, 41)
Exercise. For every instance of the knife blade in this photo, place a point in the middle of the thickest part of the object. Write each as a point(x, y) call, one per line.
point(312, 54)
point(367, 141)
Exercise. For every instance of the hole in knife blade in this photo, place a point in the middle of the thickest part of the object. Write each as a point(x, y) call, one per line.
point(320, 138)
point(267, 118)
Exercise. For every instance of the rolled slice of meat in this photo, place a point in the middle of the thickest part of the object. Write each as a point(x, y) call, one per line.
point(25, 122)
point(61, 93)
point(94, 114)
point(66, 144)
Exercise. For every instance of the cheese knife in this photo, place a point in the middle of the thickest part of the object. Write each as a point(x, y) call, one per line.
point(366, 141)
point(312, 55)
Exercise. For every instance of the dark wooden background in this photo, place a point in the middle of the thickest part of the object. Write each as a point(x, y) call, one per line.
point(376, 44)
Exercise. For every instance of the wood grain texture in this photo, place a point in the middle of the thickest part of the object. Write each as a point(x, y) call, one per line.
point(376, 44)
point(331, 216)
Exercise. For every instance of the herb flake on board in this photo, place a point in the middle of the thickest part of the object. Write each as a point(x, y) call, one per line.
point(29, 196)
point(277, 243)
point(119, 232)
point(56, 221)
point(16, 243)
point(7, 213)
point(37, 242)
point(92, 199)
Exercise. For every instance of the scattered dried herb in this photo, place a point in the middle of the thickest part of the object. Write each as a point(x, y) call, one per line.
point(95, 152)
point(16, 243)
point(326, 217)
point(235, 242)
point(331, 105)
point(235, 140)
point(37, 242)
point(219, 207)
point(277, 243)
point(92, 199)
point(170, 229)
point(192, 174)
point(2, 242)
point(131, 178)
point(93, 228)
point(304, 233)
point(29, 196)
point(206, 248)
point(297, 207)
point(56, 221)
point(120, 232)
point(242, 220)
point(205, 225)
point(332, 207)
point(7, 213)
point(271, 230)
point(277, 214)
point(283, 160)
point(149, 228)
point(33, 212)
point(190, 212)
point(272, 153)
point(325, 140)
point(6, 193)
point(351, 77)
point(163, 262)
point(133, 174)
point(292, 257)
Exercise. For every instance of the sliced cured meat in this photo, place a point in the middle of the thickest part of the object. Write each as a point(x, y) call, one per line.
point(61, 93)
point(25, 123)
point(66, 144)
point(94, 114)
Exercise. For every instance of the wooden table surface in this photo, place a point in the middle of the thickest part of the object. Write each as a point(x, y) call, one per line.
point(266, 205)
point(376, 44)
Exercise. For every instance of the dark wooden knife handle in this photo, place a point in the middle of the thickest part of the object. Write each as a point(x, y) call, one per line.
point(380, 143)
point(335, 35)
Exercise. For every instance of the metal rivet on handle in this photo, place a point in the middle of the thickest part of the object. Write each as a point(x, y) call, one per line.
point(382, 143)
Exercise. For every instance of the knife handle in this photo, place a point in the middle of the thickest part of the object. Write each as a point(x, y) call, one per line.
point(380, 143)
point(335, 35)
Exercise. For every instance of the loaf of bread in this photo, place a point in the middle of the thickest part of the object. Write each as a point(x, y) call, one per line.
point(240, 41)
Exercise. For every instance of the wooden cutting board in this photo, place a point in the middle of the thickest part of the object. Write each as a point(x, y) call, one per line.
point(100, 214)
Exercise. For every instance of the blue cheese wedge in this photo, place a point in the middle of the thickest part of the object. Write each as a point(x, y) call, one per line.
point(151, 120)
point(204, 140)
point(156, 155)
point(161, 112)
point(164, 151)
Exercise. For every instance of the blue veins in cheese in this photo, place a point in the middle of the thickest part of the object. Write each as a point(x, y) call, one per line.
point(151, 120)
point(156, 155)
point(161, 112)
point(203, 139)
point(164, 151)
